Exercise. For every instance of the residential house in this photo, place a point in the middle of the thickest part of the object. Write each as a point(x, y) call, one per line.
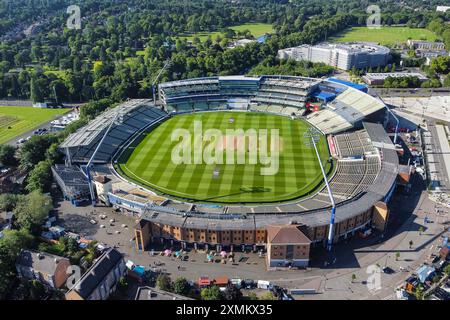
point(49, 269)
point(101, 279)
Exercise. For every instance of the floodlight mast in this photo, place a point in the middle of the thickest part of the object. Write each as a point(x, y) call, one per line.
point(313, 135)
point(88, 166)
point(167, 64)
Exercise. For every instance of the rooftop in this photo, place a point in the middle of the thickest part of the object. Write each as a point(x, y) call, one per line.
point(97, 272)
point(286, 234)
point(382, 76)
point(43, 262)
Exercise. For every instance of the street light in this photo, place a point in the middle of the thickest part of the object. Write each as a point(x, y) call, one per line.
point(312, 136)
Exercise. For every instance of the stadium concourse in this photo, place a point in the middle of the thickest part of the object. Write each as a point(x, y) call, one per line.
point(362, 182)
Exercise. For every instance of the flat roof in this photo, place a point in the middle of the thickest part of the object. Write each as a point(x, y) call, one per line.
point(383, 76)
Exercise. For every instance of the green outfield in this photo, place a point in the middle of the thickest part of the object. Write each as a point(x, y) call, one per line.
point(384, 35)
point(15, 121)
point(148, 161)
point(256, 29)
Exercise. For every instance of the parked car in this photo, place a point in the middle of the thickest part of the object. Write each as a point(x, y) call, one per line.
point(249, 284)
point(388, 270)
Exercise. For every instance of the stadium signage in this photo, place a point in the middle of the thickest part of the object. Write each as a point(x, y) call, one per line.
point(236, 146)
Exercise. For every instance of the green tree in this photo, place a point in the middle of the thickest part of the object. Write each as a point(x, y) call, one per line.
point(164, 282)
point(212, 293)
point(353, 277)
point(33, 151)
point(268, 296)
point(419, 292)
point(181, 286)
point(447, 81)
point(53, 154)
point(40, 178)
point(12, 242)
point(232, 293)
point(122, 285)
point(31, 213)
point(447, 270)
point(440, 64)
point(7, 155)
point(421, 229)
point(411, 243)
point(397, 256)
point(36, 93)
point(37, 290)
point(8, 201)
point(252, 296)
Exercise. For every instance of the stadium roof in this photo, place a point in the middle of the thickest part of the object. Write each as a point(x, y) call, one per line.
point(85, 135)
point(357, 86)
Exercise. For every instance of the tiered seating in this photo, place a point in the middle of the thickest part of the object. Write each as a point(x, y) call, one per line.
point(353, 177)
point(355, 144)
point(187, 90)
point(284, 91)
point(259, 108)
point(274, 109)
point(288, 111)
point(132, 119)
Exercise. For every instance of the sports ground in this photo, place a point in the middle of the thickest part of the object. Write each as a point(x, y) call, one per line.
point(384, 35)
point(148, 162)
point(15, 121)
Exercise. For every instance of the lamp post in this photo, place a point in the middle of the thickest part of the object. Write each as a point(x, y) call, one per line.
point(312, 136)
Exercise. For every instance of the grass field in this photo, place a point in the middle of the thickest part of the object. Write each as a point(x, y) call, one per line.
point(148, 162)
point(15, 121)
point(385, 35)
point(256, 29)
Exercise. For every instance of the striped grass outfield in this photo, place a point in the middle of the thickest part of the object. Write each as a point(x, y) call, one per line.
point(148, 162)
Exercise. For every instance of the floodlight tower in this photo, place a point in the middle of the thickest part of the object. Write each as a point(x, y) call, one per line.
point(312, 136)
point(167, 64)
point(116, 120)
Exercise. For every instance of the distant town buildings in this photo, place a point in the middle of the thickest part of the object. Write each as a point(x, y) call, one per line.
point(425, 45)
point(379, 78)
point(344, 56)
point(240, 43)
point(49, 269)
point(442, 8)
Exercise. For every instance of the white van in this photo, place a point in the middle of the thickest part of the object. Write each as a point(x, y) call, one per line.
point(262, 284)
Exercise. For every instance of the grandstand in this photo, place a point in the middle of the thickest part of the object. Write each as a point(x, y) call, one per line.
point(72, 182)
point(354, 144)
point(347, 110)
point(345, 105)
point(131, 117)
point(285, 91)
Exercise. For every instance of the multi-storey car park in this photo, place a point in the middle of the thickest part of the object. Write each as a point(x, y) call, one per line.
point(362, 178)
